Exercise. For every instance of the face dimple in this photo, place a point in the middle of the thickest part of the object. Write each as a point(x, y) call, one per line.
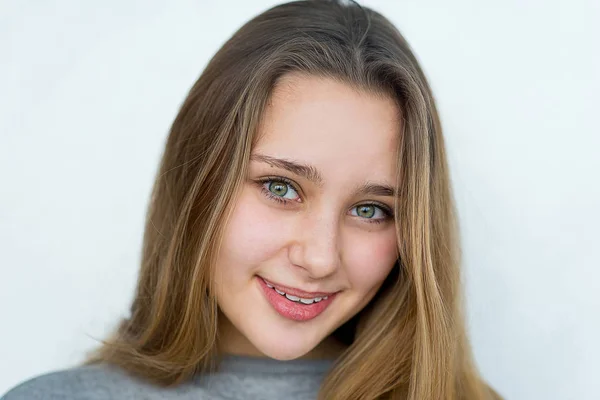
point(321, 237)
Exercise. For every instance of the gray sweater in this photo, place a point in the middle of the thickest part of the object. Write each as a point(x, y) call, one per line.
point(238, 378)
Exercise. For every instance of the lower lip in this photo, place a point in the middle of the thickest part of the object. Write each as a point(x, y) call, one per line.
point(291, 309)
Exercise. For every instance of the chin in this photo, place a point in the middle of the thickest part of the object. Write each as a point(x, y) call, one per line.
point(280, 349)
point(285, 355)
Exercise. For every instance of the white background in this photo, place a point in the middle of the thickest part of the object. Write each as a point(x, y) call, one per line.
point(88, 91)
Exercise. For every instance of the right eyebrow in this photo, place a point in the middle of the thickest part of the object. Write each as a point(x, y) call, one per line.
point(308, 172)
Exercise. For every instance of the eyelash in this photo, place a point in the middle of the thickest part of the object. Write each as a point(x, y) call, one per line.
point(388, 213)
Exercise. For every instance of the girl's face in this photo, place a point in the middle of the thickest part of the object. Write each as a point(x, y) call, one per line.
point(313, 220)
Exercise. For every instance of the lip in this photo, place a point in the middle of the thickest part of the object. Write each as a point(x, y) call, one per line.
point(297, 292)
point(290, 309)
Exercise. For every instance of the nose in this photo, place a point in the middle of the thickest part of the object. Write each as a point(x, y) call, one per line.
point(316, 246)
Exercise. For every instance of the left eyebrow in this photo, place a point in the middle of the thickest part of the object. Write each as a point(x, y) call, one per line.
point(375, 189)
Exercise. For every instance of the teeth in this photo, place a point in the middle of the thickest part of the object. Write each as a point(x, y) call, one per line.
point(292, 298)
point(296, 298)
point(269, 285)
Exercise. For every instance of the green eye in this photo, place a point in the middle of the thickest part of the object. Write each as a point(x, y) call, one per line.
point(366, 211)
point(371, 213)
point(278, 188)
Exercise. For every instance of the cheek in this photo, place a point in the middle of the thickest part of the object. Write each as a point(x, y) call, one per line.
point(370, 259)
point(252, 234)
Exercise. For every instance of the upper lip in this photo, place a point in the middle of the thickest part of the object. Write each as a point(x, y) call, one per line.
point(297, 292)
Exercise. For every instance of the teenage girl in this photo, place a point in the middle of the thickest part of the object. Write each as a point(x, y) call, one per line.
point(301, 239)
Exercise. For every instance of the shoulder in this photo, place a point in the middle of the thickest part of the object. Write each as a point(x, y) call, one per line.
point(92, 382)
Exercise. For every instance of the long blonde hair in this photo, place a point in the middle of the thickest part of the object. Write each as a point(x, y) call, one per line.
point(410, 341)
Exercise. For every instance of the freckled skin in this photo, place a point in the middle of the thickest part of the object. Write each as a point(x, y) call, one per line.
point(317, 242)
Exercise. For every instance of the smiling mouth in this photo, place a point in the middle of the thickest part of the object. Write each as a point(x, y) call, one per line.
point(297, 294)
point(295, 298)
point(292, 306)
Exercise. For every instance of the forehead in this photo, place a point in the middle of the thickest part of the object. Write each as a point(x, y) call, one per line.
point(331, 125)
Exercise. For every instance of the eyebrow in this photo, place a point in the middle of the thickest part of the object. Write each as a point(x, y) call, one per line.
point(375, 189)
point(311, 174)
point(308, 172)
